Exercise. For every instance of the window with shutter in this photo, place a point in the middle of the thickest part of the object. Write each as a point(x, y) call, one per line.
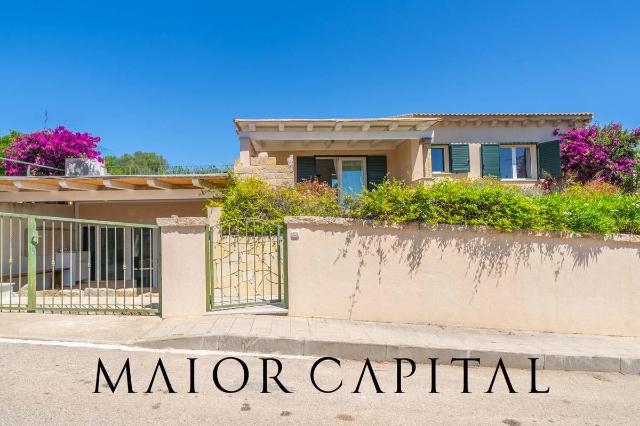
point(459, 158)
point(491, 160)
point(549, 159)
point(376, 170)
point(305, 168)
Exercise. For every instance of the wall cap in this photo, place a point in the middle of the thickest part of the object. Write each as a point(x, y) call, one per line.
point(182, 222)
point(349, 222)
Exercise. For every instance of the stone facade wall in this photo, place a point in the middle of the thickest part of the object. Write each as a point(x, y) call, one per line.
point(266, 168)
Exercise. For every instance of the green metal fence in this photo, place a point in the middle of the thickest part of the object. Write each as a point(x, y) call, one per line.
point(245, 264)
point(54, 264)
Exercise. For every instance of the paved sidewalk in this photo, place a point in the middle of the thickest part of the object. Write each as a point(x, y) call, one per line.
point(272, 334)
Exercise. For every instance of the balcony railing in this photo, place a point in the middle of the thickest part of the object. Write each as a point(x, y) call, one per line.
point(167, 170)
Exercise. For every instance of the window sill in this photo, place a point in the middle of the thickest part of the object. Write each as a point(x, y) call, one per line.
point(523, 180)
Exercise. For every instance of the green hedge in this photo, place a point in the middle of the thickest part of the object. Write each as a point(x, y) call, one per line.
point(251, 205)
point(486, 202)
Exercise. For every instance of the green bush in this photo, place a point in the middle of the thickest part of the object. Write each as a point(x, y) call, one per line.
point(586, 209)
point(582, 210)
point(252, 205)
point(460, 202)
point(590, 208)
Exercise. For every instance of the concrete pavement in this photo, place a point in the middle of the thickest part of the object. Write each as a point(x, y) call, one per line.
point(342, 339)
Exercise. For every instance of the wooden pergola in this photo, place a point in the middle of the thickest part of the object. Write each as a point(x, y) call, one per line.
point(107, 188)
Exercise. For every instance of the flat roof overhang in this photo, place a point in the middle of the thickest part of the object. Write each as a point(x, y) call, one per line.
point(335, 134)
point(109, 188)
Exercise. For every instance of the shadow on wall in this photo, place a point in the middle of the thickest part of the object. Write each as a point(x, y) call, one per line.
point(488, 253)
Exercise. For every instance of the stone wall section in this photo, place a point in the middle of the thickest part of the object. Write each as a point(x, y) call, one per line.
point(266, 168)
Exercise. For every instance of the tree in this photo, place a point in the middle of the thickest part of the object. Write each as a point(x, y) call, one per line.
point(5, 142)
point(607, 154)
point(50, 147)
point(137, 163)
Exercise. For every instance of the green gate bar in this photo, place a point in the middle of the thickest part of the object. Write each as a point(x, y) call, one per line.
point(77, 265)
point(244, 264)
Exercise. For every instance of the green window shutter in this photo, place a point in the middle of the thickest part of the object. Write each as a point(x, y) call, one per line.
point(306, 168)
point(459, 158)
point(549, 159)
point(491, 160)
point(376, 170)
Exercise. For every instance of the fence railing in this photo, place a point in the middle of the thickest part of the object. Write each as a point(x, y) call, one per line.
point(122, 170)
point(245, 264)
point(55, 264)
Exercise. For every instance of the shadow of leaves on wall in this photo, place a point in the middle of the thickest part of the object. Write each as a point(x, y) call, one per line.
point(489, 254)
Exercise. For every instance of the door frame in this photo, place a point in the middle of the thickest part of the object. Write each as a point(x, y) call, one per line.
point(339, 159)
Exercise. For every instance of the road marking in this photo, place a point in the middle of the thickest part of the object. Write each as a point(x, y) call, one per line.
point(126, 348)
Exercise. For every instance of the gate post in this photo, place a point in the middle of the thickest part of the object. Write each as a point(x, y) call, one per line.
point(285, 266)
point(184, 265)
point(32, 241)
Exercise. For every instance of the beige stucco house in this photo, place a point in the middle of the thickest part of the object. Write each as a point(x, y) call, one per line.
point(352, 154)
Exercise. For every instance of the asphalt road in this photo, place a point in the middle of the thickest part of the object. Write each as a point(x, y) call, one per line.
point(51, 384)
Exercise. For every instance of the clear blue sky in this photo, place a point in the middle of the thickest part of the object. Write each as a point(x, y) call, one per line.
point(171, 76)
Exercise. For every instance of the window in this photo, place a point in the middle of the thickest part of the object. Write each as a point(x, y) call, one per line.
point(347, 174)
point(437, 160)
point(515, 162)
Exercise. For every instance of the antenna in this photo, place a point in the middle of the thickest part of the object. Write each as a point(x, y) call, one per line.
point(46, 118)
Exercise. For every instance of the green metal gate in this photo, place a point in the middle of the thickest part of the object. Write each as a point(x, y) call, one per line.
point(246, 264)
point(55, 264)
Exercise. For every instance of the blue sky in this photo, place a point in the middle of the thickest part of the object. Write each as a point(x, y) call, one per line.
point(171, 76)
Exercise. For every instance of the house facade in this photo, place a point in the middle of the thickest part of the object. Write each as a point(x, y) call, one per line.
point(353, 154)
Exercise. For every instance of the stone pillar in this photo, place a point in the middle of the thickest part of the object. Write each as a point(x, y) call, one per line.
point(246, 151)
point(214, 213)
point(417, 159)
point(183, 265)
point(426, 149)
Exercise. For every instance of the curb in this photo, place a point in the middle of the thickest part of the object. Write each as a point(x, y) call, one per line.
point(382, 352)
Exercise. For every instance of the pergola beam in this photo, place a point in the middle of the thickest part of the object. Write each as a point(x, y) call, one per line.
point(77, 186)
point(112, 184)
point(335, 135)
point(155, 183)
point(33, 186)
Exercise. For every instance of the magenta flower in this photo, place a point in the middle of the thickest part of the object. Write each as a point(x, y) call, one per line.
point(49, 148)
point(606, 154)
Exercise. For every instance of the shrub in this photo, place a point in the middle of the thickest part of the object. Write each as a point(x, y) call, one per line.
point(392, 200)
point(459, 202)
point(596, 207)
point(604, 153)
point(594, 213)
point(49, 148)
point(5, 142)
point(251, 204)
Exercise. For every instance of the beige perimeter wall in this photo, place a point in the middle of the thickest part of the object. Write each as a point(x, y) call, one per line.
point(464, 277)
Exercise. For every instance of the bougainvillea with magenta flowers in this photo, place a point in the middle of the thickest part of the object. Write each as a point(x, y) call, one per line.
point(49, 148)
point(607, 154)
